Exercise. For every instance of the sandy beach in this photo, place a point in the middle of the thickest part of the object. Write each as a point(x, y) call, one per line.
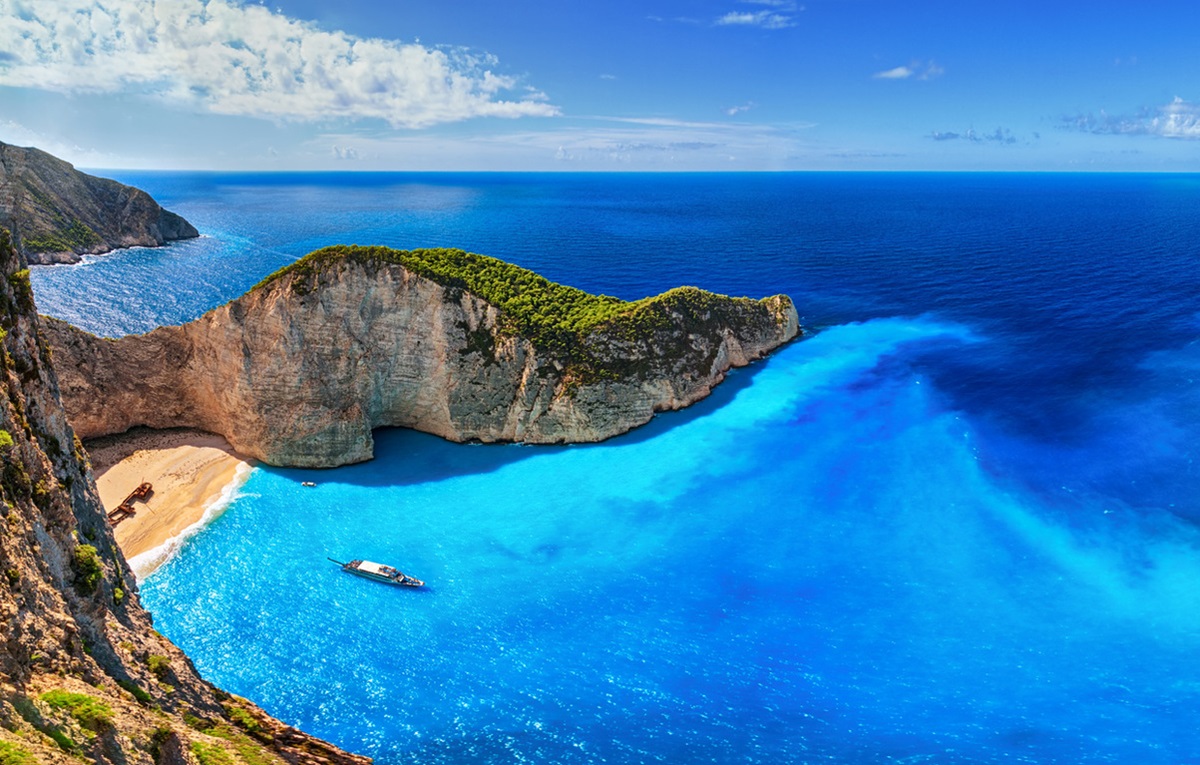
point(192, 472)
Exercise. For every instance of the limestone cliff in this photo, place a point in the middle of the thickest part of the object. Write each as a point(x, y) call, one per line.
point(83, 675)
point(56, 213)
point(300, 370)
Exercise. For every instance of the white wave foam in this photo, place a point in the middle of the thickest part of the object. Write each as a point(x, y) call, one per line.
point(145, 564)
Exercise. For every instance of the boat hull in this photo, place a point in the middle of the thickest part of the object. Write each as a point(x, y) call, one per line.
point(409, 582)
point(377, 572)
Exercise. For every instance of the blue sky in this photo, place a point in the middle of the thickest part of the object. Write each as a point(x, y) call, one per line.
point(617, 85)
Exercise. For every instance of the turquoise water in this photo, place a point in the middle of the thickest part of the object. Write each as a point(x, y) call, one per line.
point(957, 525)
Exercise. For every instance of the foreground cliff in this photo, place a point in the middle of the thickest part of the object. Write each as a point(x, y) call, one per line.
point(300, 369)
point(83, 675)
point(57, 214)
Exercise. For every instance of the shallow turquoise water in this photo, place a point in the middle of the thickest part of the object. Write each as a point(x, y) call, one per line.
point(955, 526)
point(819, 560)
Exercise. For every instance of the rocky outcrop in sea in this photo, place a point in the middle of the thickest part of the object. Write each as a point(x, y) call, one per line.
point(57, 214)
point(302, 368)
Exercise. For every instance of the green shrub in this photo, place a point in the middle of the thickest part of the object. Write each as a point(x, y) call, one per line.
point(543, 311)
point(22, 289)
point(6, 439)
point(211, 754)
point(41, 498)
point(75, 236)
point(11, 754)
point(244, 719)
point(65, 742)
point(88, 570)
point(253, 754)
point(15, 480)
point(159, 736)
point(159, 665)
point(249, 751)
point(554, 317)
point(136, 690)
point(27, 710)
point(90, 712)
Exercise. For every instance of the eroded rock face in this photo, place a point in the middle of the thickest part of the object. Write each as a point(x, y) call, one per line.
point(70, 618)
point(57, 214)
point(299, 374)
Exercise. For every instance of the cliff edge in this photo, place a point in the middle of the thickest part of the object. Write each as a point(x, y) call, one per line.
point(299, 370)
point(83, 674)
point(57, 214)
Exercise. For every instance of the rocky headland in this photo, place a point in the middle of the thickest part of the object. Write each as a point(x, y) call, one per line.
point(57, 214)
point(83, 674)
point(303, 367)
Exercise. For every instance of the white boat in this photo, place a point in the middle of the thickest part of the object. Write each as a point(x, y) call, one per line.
point(379, 572)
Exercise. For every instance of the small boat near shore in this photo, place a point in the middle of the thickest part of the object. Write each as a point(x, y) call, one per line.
point(379, 573)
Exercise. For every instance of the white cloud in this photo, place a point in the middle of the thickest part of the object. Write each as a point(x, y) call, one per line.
point(735, 110)
point(899, 73)
point(932, 70)
point(230, 58)
point(764, 19)
point(662, 122)
point(781, 15)
point(1000, 135)
point(921, 70)
point(592, 144)
point(16, 134)
point(1179, 119)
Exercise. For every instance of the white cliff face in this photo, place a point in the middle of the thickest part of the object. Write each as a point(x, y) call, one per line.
point(300, 378)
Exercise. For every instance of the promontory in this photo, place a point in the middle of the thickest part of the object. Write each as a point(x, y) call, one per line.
point(300, 370)
point(57, 214)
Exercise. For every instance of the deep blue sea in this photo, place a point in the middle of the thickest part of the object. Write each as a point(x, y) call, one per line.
point(959, 524)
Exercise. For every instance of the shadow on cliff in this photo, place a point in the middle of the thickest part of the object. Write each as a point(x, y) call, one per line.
point(421, 458)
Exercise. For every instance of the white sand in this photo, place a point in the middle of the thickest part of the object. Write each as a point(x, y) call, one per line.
point(193, 473)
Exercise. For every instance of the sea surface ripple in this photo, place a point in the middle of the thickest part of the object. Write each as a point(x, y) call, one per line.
point(957, 525)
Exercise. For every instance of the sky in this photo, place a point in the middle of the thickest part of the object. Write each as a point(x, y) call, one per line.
point(629, 85)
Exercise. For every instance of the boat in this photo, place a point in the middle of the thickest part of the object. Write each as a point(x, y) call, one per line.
point(125, 509)
point(379, 573)
point(309, 484)
point(142, 492)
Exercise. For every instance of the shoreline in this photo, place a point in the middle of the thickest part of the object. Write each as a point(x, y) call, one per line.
point(194, 474)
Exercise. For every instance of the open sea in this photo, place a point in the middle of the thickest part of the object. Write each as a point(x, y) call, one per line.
point(959, 524)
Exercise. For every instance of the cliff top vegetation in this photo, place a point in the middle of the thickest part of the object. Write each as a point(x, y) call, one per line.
point(552, 316)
